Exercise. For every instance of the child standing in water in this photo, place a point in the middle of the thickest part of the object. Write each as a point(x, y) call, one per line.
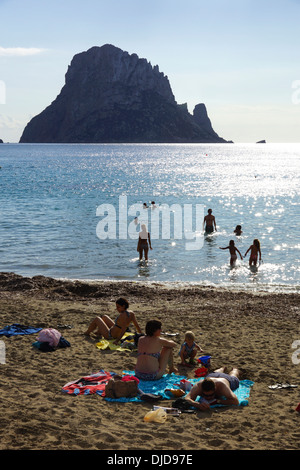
point(189, 348)
point(232, 250)
point(255, 251)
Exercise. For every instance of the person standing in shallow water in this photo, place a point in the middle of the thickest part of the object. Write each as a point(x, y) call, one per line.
point(144, 242)
point(255, 252)
point(209, 222)
point(233, 250)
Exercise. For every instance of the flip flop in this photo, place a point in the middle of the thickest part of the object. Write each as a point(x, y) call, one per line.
point(280, 386)
point(170, 334)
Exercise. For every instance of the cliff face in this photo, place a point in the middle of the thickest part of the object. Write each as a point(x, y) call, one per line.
point(111, 96)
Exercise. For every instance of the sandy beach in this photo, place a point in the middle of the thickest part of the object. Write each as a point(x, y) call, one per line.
point(253, 331)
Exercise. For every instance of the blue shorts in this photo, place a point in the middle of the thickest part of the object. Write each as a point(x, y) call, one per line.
point(233, 381)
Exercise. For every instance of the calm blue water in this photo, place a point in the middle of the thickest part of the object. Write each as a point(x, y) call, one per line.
point(50, 194)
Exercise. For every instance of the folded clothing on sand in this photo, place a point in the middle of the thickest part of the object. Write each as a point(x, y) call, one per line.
point(18, 329)
point(44, 346)
point(49, 339)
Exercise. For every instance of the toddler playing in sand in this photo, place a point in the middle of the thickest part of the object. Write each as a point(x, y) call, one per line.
point(189, 348)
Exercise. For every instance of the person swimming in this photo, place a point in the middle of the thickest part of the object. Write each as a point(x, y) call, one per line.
point(238, 230)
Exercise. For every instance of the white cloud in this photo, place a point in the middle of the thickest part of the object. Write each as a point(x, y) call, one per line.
point(19, 51)
point(8, 122)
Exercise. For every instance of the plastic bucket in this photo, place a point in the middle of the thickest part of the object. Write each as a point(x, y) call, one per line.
point(205, 360)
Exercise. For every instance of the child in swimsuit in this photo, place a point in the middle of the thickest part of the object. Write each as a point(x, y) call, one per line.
point(232, 250)
point(255, 251)
point(189, 348)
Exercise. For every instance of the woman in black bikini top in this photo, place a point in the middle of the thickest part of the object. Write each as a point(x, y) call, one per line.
point(110, 329)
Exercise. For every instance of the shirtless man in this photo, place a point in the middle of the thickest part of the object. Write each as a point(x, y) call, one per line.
point(209, 222)
point(217, 387)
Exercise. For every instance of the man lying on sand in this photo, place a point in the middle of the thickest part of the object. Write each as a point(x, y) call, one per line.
point(217, 384)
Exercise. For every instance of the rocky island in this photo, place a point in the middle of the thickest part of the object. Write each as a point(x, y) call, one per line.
point(111, 96)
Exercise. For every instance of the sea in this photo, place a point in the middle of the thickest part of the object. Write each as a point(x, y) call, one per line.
point(68, 211)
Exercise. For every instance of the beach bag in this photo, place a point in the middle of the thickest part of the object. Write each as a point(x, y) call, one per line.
point(117, 388)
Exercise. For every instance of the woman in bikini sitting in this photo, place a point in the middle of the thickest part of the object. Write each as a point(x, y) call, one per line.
point(154, 353)
point(110, 329)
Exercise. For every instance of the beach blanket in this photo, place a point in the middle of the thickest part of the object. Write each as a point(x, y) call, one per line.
point(18, 329)
point(89, 384)
point(95, 384)
point(171, 381)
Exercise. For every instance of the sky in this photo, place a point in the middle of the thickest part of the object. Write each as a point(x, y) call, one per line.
point(241, 58)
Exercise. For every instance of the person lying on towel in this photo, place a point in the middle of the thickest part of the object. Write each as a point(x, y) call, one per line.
point(216, 388)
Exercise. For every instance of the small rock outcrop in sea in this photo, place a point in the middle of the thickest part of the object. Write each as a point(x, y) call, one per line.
point(111, 96)
point(1, 141)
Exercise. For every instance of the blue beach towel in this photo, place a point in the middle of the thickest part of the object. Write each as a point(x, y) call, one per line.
point(168, 381)
point(17, 329)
